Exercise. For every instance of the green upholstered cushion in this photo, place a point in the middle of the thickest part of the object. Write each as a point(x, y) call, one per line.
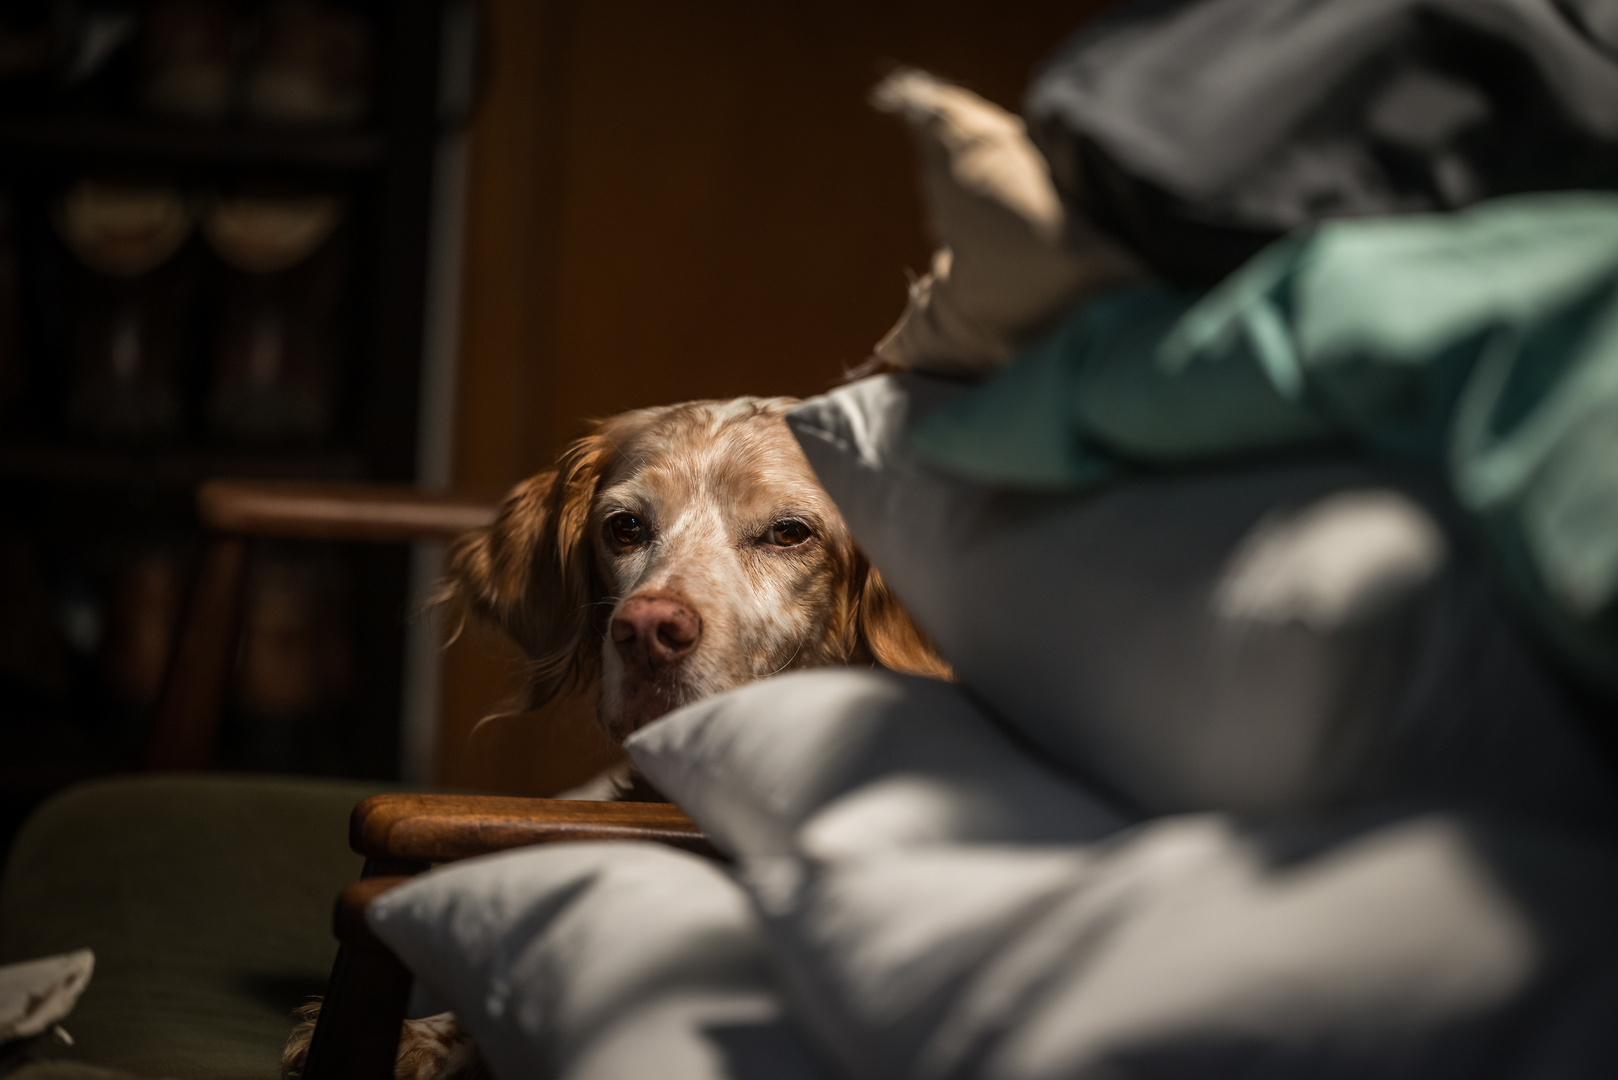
point(67, 1070)
point(207, 900)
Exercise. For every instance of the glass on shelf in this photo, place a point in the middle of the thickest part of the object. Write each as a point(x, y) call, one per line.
point(311, 65)
point(275, 359)
point(187, 51)
point(129, 305)
point(31, 44)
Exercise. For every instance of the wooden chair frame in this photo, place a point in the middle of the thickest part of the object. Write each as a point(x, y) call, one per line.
point(185, 726)
point(357, 1036)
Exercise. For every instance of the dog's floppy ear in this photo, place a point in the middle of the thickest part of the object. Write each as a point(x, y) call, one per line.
point(531, 572)
point(888, 634)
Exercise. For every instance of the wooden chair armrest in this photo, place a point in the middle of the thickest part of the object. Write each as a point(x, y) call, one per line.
point(375, 513)
point(438, 828)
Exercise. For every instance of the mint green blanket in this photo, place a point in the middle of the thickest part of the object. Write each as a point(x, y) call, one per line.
point(1481, 344)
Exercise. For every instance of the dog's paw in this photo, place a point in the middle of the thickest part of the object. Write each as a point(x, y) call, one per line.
point(432, 1048)
point(297, 1048)
point(436, 1048)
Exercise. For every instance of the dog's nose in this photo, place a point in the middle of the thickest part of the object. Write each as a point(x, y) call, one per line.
point(654, 631)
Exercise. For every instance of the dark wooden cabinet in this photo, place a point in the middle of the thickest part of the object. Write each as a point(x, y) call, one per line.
point(97, 533)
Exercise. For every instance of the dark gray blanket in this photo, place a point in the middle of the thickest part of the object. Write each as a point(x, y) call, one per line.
point(1199, 131)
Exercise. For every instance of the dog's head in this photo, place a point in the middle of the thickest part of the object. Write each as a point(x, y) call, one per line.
point(675, 553)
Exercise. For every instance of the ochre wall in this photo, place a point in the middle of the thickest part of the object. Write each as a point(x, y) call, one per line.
point(672, 201)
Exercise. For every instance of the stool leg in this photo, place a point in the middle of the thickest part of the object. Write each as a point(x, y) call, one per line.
point(357, 1034)
point(185, 729)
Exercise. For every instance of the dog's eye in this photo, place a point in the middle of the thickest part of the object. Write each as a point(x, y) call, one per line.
point(787, 533)
point(625, 529)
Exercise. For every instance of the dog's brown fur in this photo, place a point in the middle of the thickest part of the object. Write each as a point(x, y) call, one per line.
point(434, 1048)
point(710, 479)
point(708, 476)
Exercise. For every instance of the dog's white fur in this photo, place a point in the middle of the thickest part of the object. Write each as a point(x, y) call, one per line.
point(708, 481)
point(711, 485)
point(740, 567)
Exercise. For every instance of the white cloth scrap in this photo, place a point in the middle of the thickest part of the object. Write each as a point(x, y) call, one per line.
point(38, 994)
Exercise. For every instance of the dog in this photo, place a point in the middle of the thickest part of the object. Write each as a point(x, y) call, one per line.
point(674, 553)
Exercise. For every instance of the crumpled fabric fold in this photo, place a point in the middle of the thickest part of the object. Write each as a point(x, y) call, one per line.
point(1200, 131)
point(1482, 345)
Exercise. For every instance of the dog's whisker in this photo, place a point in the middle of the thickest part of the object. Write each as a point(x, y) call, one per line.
point(788, 663)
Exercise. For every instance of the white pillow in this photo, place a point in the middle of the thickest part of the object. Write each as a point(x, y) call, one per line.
point(1260, 638)
point(596, 961)
point(1012, 259)
point(841, 761)
point(1418, 948)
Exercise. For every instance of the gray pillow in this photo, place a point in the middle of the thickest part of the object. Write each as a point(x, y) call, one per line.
point(597, 961)
point(1261, 638)
point(842, 761)
point(1191, 947)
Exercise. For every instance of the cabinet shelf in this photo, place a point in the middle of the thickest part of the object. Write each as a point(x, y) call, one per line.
point(167, 467)
point(34, 141)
